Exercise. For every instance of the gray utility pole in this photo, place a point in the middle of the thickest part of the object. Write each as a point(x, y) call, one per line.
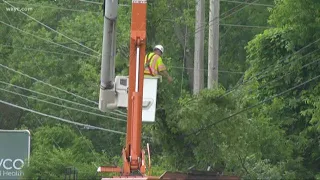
point(213, 46)
point(107, 92)
point(108, 44)
point(198, 73)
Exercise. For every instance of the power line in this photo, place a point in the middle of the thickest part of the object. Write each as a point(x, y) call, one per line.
point(41, 124)
point(265, 70)
point(92, 2)
point(221, 71)
point(39, 50)
point(231, 9)
point(120, 112)
point(6, 16)
point(203, 26)
point(247, 26)
point(234, 25)
point(63, 120)
point(98, 3)
point(67, 107)
point(277, 79)
point(51, 28)
point(23, 74)
point(92, 151)
point(57, 98)
point(55, 87)
point(62, 54)
point(48, 40)
point(47, 95)
point(251, 107)
point(247, 5)
point(253, 4)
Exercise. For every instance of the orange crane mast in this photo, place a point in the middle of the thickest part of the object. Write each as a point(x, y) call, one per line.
point(134, 165)
point(132, 154)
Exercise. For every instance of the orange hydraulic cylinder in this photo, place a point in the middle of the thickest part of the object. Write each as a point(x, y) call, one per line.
point(132, 150)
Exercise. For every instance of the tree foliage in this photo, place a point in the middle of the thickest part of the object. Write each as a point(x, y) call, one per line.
point(236, 129)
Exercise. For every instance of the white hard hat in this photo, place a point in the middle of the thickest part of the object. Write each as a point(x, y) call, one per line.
point(160, 47)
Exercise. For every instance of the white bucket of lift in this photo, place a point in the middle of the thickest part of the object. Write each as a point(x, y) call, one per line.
point(149, 99)
point(149, 96)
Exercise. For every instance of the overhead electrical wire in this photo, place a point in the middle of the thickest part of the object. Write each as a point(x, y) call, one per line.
point(52, 28)
point(41, 124)
point(62, 119)
point(230, 10)
point(57, 98)
point(122, 113)
point(217, 17)
point(280, 77)
point(66, 47)
point(50, 85)
point(252, 4)
point(238, 10)
point(246, 26)
point(265, 72)
point(268, 68)
point(92, 2)
point(67, 107)
point(261, 102)
point(71, 118)
point(39, 50)
point(98, 3)
point(6, 16)
point(36, 117)
point(234, 25)
point(220, 71)
point(87, 143)
point(198, 131)
point(40, 80)
point(212, 21)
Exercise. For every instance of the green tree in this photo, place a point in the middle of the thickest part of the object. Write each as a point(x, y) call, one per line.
point(281, 58)
point(57, 148)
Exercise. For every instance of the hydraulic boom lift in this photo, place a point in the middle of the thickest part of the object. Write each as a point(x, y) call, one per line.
point(130, 92)
point(133, 155)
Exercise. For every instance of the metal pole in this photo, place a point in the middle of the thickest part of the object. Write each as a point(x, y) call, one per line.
point(213, 46)
point(198, 82)
point(108, 46)
point(107, 98)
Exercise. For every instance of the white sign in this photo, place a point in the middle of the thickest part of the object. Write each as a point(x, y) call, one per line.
point(14, 152)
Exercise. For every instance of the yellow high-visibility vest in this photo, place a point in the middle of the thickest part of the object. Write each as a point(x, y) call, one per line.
point(153, 64)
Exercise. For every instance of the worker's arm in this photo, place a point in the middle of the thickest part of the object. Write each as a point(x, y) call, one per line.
point(163, 70)
point(166, 74)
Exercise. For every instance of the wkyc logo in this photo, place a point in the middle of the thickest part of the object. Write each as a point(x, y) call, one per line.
point(9, 164)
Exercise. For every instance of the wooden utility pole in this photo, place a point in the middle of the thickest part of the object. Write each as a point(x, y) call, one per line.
point(213, 46)
point(198, 81)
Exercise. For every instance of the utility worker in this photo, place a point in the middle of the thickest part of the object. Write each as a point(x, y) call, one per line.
point(153, 64)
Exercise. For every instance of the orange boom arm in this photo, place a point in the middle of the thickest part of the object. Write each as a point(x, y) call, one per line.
point(133, 156)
